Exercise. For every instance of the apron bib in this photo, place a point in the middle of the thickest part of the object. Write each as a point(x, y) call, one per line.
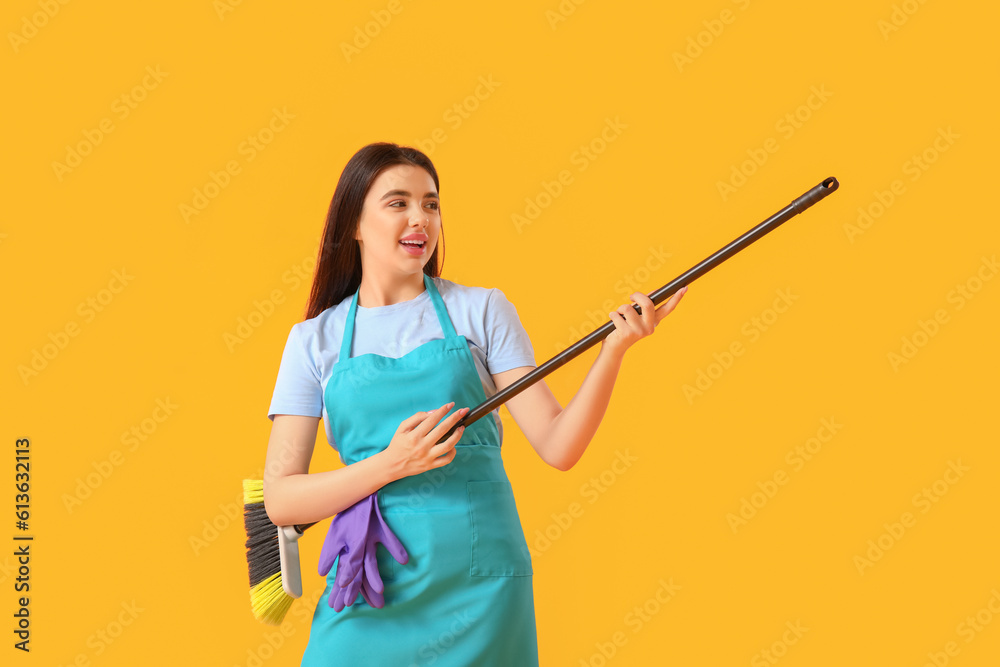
point(465, 595)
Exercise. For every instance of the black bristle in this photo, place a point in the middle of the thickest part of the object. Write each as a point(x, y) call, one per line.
point(263, 554)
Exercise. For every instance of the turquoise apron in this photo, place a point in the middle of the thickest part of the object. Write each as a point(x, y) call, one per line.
point(465, 595)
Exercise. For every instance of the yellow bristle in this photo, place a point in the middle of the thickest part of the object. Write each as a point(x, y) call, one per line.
point(253, 491)
point(269, 601)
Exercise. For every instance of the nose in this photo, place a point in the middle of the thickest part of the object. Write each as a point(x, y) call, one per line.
point(420, 218)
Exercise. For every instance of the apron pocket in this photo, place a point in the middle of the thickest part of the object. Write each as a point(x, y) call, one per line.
point(498, 545)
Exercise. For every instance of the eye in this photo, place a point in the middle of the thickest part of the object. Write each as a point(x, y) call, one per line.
point(398, 201)
point(434, 205)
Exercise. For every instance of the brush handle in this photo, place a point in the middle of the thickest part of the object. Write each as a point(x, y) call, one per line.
point(288, 553)
point(799, 204)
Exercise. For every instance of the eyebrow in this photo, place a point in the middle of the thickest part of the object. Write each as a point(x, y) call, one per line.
point(404, 193)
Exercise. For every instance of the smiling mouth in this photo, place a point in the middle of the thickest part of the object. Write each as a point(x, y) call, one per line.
point(412, 244)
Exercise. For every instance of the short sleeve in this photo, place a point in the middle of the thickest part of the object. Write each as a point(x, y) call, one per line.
point(508, 345)
point(298, 389)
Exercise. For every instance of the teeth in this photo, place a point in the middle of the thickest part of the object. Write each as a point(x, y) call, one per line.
point(417, 243)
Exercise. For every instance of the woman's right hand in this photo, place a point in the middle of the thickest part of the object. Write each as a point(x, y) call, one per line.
point(414, 448)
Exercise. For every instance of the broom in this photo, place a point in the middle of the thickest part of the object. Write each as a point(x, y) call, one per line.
point(272, 552)
point(272, 558)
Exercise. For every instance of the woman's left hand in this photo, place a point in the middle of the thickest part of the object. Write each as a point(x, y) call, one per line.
point(630, 326)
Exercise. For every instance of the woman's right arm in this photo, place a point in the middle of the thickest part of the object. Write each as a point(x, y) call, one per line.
point(293, 496)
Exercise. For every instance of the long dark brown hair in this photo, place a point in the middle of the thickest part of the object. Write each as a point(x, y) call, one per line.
point(338, 267)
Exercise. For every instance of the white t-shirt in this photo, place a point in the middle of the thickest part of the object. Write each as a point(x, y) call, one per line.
point(484, 316)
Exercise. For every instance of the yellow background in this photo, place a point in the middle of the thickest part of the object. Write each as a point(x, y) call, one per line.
point(884, 80)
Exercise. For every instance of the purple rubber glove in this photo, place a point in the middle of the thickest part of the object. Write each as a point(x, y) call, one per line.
point(353, 537)
point(339, 596)
point(378, 532)
point(346, 536)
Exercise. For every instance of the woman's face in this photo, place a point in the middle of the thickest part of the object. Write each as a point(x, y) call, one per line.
point(400, 221)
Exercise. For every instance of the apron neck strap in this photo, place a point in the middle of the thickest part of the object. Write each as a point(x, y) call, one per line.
point(442, 313)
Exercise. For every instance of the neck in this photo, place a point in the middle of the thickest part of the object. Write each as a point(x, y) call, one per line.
point(388, 290)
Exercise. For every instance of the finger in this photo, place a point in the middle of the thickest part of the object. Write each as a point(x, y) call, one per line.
point(444, 459)
point(371, 574)
point(643, 300)
point(445, 425)
point(633, 320)
point(431, 420)
point(645, 322)
point(343, 600)
point(671, 303)
point(443, 447)
point(352, 588)
point(333, 546)
point(326, 559)
point(647, 305)
point(336, 599)
point(367, 596)
point(389, 539)
point(411, 422)
point(348, 572)
point(344, 573)
point(455, 436)
point(348, 566)
point(373, 598)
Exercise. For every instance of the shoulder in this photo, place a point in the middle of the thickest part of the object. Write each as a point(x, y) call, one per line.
point(460, 291)
point(483, 313)
point(317, 332)
point(474, 297)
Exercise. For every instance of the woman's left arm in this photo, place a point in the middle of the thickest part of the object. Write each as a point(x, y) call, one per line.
point(561, 435)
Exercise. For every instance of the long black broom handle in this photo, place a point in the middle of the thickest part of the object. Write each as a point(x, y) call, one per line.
point(798, 205)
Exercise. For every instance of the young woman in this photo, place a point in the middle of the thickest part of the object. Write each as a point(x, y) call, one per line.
point(391, 356)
